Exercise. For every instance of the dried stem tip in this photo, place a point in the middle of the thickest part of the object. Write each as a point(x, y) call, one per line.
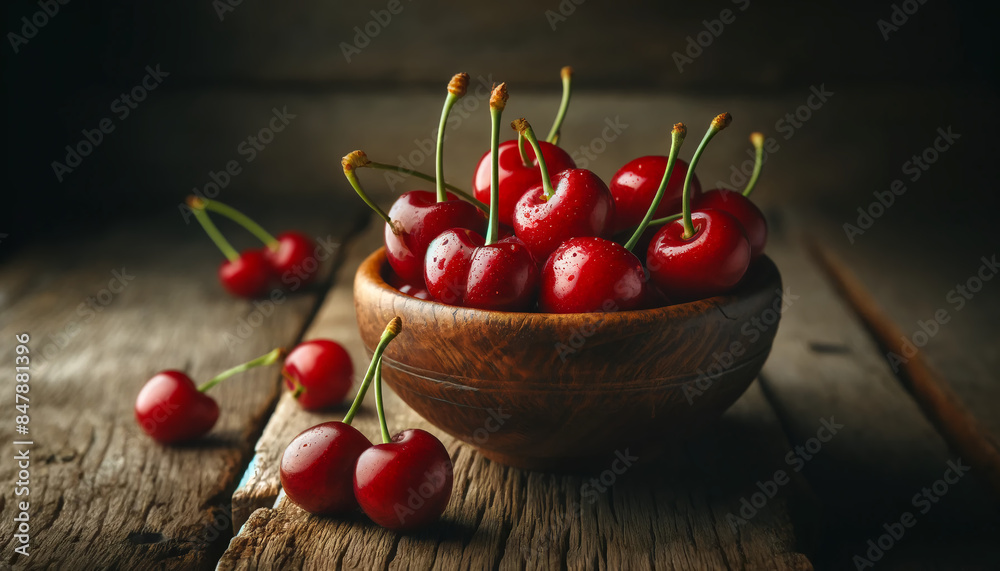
point(520, 125)
point(355, 160)
point(757, 139)
point(394, 326)
point(459, 84)
point(498, 100)
point(195, 202)
point(566, 72)
point(722, 121)
point(680, 130)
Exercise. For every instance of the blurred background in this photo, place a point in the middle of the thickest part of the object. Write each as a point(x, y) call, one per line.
point(372, 76)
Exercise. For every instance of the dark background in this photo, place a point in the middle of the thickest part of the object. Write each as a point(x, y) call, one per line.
point(938, 69)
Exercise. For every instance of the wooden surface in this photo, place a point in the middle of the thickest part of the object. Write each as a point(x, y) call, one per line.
point(109, 498)
point(102, 494)
point(669, 512)
point(864, 476)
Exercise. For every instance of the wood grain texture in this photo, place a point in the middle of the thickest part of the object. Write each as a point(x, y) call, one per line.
point(670, 514)
point(886, 452)
point(935, 395)
point(667, 513)
point(103, 495)
point(547, 391)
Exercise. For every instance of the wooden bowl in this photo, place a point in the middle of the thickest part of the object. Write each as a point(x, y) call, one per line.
point(568, 392)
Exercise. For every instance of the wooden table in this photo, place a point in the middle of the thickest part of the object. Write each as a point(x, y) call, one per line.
point(824, 453)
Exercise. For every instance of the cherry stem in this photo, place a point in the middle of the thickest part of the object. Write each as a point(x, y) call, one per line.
point(197, 206)
point(378, 404)
point(676, 140)
point(522, 151)
point(243, 220)
point(665, 219)
point(268, 359)
point(719, 123)
point(352, 162)
point(567, 80)
point(391, 330)
point(498, 101)
point(758, 143)
point(522, 126)
point(456, 90)
point(424, 176)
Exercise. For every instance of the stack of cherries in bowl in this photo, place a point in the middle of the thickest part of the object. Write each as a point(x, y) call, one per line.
point(556, 239)
point(587, 313)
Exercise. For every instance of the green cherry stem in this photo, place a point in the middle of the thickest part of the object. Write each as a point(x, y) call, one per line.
point(390, 333)
point(456, 90)
point(197, 206)
point(522, 126)
point(665, 219)
point(498, 101)
point(351, 162)
point(264, 360)
point(522, 151)
point(567, 81)
point(378, 404)
point(424, 176)
point(676, 140)
point(243, 220)
point(758, 143)
point(719, 123)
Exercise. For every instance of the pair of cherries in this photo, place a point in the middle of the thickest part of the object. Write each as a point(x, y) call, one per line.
point(403, 483)
point(288, 260)
point(171, 409)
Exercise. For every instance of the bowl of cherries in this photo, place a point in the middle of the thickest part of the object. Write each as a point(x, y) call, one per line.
point(555, 321)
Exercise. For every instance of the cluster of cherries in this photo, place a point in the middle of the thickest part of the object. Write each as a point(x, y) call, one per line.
point(403, 483)
point(557, 239)
point(286, 261)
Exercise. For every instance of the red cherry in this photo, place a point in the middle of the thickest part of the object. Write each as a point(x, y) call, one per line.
point(406, 483)
point(248, 276)
point(592, 274)
point(419, 218)
point(461, 270)
point(744, 210)
point(295, 256)
point(319, 372)
point(317, 468)
point(170, 408)
point(709, 263)
point(516, 178)
point(580, 206)
point(635, 184)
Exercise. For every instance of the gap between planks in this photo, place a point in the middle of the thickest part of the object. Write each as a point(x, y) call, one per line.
point(933, 393)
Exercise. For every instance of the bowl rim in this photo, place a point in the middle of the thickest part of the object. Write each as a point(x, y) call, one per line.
point(375, 263)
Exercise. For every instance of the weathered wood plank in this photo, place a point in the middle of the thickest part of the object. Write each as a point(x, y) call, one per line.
point(102, 494)
point(886, 451)
point(937, 399)
point(670, 513)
